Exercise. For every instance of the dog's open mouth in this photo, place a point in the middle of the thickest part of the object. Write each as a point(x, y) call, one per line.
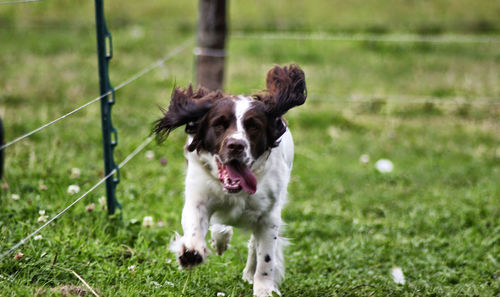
point(236, 176)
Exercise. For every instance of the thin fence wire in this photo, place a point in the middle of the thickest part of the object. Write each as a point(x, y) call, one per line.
point(125, 161)
point(403, 99)
point(396, 38)
point(134, 77)
point(158, 63)
point(52, 122)
point(19, 2)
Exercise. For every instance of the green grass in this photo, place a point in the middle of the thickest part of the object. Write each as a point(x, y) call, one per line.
point(432, 109)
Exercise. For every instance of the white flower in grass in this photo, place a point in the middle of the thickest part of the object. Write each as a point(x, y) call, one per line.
point(131, 269)
point(147, 221)
point(150, 155)
point(102, 201)
point(75, 172)
point(364, 159)
point(15, 196)
point(42, 219)
point(398, 276)
point(221, 294)
point(133, 221)
point(334, 132)
point(38, 237)
point(384, 166)
point(41, 212)
point(155, 284)
point(73, 189)
point(171, 284)
point(160, 223)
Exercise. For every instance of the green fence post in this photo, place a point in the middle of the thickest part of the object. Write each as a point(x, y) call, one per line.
point(109, 134)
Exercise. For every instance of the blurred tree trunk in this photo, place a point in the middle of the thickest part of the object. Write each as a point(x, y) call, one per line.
point(210, 54)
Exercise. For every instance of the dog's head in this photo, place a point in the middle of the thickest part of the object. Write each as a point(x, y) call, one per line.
point(235, 130)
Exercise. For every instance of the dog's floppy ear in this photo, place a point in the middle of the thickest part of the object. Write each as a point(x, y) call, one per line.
point(286, 87)
point(186, 107)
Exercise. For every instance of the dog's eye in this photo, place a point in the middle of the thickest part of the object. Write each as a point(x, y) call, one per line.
point(252, 126)
point(220, 124)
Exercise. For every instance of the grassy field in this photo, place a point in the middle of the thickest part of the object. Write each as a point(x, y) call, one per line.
point(432, 109)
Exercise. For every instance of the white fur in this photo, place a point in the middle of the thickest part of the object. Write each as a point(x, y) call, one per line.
point(242, 104)
point(206, 203)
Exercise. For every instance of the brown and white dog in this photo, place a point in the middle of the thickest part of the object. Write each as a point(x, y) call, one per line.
point(239, 153)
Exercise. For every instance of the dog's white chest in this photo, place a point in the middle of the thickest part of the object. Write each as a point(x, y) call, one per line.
point(244, 211)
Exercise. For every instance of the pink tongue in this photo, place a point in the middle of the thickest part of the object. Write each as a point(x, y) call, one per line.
point(238, 171)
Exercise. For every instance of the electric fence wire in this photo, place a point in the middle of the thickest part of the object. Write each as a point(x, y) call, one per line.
point(134, 77)
point(125, 161)
point(396, 38)
point(19, 2)
point(404, 99)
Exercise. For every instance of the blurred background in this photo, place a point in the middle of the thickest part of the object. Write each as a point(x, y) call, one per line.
point(414, 83)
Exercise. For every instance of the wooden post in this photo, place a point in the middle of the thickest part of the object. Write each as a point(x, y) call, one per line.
point(210, 54)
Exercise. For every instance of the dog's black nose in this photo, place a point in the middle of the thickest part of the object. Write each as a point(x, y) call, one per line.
point(235, 146)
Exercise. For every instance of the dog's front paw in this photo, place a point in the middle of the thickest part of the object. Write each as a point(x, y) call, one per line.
point(221, 237)
point(189, 253)
point(190, 258)
point(265, 289)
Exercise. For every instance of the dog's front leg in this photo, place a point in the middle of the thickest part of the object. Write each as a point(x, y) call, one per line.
point(249, 271)
point(266, 240)
point(191, 248)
